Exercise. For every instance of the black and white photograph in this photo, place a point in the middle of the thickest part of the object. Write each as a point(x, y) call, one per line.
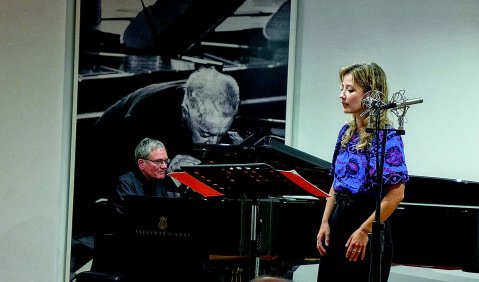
point(186, 73)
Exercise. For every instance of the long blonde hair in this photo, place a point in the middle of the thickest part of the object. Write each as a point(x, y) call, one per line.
point(368, 77)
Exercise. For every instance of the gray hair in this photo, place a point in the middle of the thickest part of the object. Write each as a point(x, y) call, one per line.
point(144, 148)
point(209, 91)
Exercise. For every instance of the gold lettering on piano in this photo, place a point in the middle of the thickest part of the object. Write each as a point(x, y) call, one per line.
point(162, 230)
point(162, 233)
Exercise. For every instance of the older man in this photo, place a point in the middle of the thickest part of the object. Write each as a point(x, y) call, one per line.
point(148, 179)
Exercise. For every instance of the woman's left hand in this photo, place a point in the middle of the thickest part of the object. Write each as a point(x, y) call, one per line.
point(356, 245)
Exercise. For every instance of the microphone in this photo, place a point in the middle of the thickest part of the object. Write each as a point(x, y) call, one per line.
point(372, 103)
point(403, 104)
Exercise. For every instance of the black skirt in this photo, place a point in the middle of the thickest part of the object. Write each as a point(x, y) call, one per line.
point(349, 213)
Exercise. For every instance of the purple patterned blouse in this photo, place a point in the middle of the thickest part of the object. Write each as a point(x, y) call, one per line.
point(355, 170)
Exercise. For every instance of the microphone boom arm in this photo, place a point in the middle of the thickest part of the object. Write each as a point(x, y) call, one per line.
point(403, 104)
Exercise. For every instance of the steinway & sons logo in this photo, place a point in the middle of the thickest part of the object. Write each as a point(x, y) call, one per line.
point(163, 223)
point(162, 229)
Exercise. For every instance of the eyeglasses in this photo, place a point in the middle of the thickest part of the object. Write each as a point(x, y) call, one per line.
point(159, 162)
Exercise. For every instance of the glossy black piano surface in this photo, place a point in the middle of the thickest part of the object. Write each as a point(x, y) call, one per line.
point(286, 225)
point(272, 152)
point(437, 223)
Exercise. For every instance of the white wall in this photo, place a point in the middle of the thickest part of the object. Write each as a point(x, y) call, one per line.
point(35, 120)
point(430, 48)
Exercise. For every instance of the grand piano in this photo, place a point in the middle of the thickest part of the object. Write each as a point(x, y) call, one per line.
point(216, 232)
point(432, 227)
point(436, 225)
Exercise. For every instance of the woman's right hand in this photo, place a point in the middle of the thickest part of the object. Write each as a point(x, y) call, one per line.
point(322, 239)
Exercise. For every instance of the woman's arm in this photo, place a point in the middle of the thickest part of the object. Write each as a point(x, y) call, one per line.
point(323, 233)
point(358, 240)
point(389, 203)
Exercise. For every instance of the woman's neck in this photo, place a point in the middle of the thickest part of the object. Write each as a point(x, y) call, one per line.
point(359, 122)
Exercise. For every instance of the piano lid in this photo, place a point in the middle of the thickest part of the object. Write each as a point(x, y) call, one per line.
point(441, 192)
point(420, 190)
point(137, 32)
point(171, 27)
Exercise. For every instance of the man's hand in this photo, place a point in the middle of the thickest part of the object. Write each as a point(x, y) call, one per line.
point(235, 137)
point(182, 160)
point(177, 162)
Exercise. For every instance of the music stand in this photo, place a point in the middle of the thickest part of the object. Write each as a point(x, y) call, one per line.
point(249, 181)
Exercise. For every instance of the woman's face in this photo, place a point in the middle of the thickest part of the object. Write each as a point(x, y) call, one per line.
point(351, 96)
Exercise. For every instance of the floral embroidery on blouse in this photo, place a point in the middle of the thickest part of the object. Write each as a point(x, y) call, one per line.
point(355, 170)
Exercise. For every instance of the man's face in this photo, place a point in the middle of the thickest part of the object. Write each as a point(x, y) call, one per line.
point(210, 129)
point(154, 167)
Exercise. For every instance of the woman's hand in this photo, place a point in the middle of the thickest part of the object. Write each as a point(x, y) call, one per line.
point(356, 245)
point(322, 239)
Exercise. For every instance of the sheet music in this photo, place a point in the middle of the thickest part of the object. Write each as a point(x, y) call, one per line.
point(303, 183)
point(195, 184)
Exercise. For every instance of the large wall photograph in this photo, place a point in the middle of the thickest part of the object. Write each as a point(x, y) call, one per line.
point(137, 59)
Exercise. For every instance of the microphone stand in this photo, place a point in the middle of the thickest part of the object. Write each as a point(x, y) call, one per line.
point(376, 239)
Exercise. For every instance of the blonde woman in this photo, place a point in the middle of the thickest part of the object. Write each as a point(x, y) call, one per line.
point(343, 240)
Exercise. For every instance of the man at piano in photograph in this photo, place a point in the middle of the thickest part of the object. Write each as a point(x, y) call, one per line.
point(343, 241)
point(181, 113)
point(149, 177)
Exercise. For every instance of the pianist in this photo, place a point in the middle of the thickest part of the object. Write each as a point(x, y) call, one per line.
point(343, 240)
point(149, 178)
point(137, 248)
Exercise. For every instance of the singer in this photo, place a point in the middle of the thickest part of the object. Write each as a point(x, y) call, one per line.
point(343, 239)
